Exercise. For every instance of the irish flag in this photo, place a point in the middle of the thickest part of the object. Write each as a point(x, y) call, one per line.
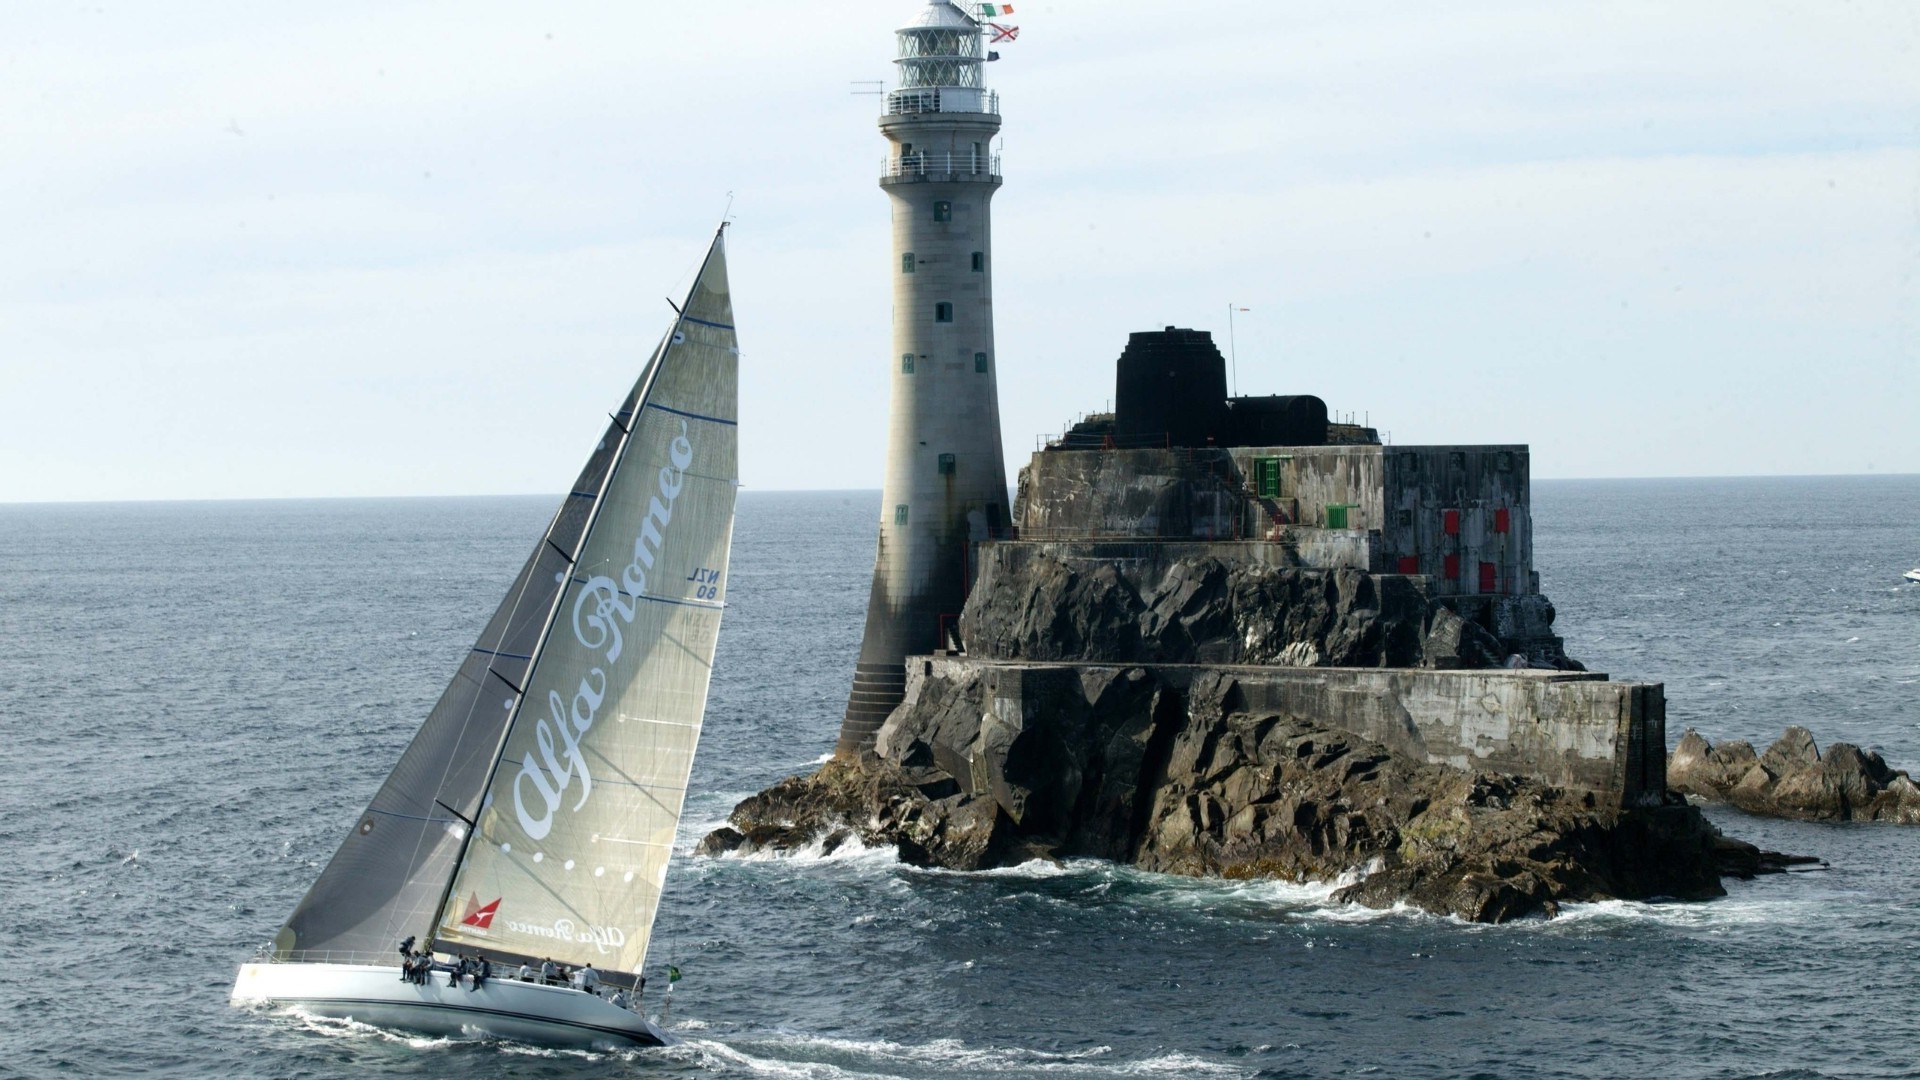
point(996, 9)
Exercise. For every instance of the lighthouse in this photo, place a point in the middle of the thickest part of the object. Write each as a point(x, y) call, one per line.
point(945, 487)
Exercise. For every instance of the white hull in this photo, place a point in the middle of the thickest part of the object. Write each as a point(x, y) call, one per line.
point(1912, 575)
point(373, 994)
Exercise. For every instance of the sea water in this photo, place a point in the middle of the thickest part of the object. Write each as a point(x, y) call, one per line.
point(197, 699)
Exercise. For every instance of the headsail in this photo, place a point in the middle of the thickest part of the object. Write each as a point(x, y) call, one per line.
point(390, 875)
point(576, 828)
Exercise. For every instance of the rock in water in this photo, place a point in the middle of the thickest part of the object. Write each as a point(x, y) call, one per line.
point(1124, 767)
point(1793, 779)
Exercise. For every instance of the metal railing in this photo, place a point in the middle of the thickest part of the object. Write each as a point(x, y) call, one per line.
point(921, 163)
point(908, 101)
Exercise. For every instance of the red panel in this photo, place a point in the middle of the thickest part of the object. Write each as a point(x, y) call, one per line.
point(1452, 569)
point(1502, 520)
point(1489, 575)
point(1409, 564)
point(1450, 519)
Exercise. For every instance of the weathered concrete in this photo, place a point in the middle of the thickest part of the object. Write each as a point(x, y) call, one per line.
point(1460, 515)
point(1572, 730)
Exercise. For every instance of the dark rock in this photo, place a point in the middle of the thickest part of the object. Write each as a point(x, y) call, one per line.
point(1794, 780)
point(1041, 606)
point(1793, 749)
point(1117, 765)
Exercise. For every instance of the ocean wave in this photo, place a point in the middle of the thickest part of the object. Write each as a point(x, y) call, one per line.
point(850, 850)
point(821, 1056)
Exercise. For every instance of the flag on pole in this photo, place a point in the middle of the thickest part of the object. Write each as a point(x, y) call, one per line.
point(1002, 33)
point(673, 974)
point(996, 9)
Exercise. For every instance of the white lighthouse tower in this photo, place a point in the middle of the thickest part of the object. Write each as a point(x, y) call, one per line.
point(946, 481)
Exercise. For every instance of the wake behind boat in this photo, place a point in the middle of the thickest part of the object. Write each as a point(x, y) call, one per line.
point(550, 776)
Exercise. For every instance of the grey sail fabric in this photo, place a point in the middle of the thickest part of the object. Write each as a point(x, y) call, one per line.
point(573, 837)
point(387, 880)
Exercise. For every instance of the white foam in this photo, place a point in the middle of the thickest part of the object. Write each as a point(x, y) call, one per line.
point(852, 849)
point(955, 1057)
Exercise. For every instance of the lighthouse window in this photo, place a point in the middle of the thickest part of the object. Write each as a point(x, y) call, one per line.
point(943, 312)
point(906, 263)
point(946, 464)
point(980, 362)
point(979, 262)
point(942, 210)
point(906, 363)
point(900, 513)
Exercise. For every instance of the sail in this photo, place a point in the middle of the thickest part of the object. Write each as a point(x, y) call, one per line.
point(572, 840)
point(387, 879)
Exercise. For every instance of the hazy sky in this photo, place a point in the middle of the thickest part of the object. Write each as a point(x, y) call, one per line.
point(420, 248)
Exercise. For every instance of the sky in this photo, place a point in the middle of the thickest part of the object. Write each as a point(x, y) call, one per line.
point(355, 249)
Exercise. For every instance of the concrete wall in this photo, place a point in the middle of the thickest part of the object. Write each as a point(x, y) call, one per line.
point(1398, 502)
point(1131, 493)
point(1574, 730)
point(1422, 483)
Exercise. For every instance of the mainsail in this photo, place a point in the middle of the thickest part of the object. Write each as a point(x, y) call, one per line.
point(564, 743)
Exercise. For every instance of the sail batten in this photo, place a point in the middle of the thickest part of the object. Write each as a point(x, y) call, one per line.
point(648, 519)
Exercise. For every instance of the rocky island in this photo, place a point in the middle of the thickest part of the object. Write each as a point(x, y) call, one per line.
point(1226, 636)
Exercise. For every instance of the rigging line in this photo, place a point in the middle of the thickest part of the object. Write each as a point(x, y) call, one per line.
point(454, 812)
point(648, 379)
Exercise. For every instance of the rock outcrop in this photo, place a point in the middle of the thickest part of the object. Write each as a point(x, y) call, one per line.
point(1793, 779)
point(1124, 767)
point(1040, 605)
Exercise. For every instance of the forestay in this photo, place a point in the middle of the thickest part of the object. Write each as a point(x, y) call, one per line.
point(577, 825)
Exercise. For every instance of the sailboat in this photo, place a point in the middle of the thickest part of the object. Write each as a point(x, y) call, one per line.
point(531, 819)
point(1912, 575)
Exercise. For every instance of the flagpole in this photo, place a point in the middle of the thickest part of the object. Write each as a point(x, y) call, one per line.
point(1233, 350)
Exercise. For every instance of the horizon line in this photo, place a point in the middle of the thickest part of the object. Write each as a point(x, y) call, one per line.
point(833, 491)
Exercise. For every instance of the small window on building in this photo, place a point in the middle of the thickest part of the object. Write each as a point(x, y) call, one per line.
point(1266, 477)
point(946, 464)
point(1411, 463)
point(1450, 568)
point(906, 363)
point(980, 363)
point(979, 262)
point(1406, 519)
point(943, 312)
point(1457, 460)
point(906, 262)
point(1489, 577)
point(1506, 461)
point(1502, 520)
point(1409, 564)
point(1337, 516)
point(1450, 522)
point(900, 513)
point(942, 210)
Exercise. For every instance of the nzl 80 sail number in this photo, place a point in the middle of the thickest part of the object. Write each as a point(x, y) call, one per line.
point(706, 583)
